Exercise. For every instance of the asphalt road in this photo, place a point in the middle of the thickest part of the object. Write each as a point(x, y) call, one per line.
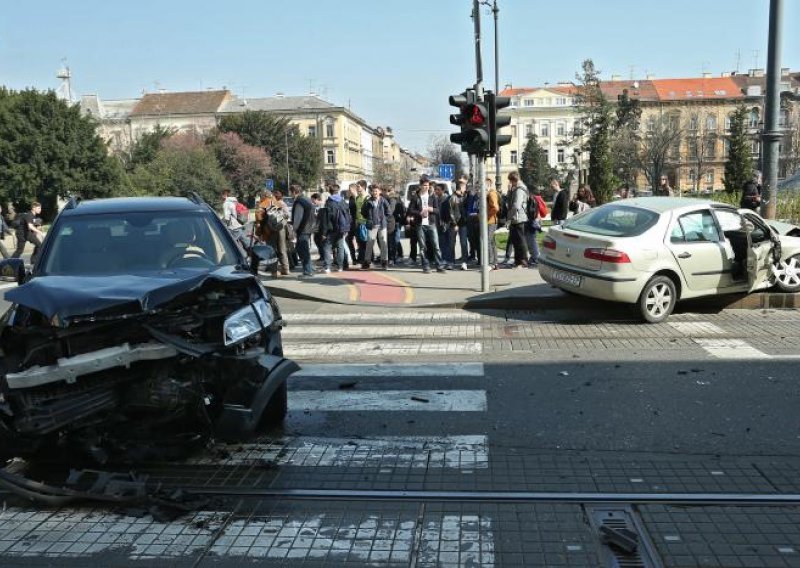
point(477, 403)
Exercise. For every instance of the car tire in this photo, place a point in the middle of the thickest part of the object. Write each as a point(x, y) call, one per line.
point(657, 299)
point(276, 409)
point(787, 274)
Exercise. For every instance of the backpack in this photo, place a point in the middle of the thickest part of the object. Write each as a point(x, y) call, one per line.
point(275, 219)
point(543, 211)
point(242, 213)
point(341, 218)
point(532, 208)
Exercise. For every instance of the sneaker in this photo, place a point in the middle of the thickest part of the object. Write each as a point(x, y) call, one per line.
point(365, 266)
point(305, 276)
point(337, 269)
point(384, 266)
point(463, 266)
point(426, 270)
point(327, 271)
point(440, 269)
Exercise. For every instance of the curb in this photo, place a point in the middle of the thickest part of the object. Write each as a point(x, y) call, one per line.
point(755, 301)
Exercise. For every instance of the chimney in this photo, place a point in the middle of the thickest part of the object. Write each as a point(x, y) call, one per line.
point(706, 75)
point(616, 77)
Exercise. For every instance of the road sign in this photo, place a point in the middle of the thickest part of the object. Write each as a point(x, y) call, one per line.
point(447, 171)
point(270, 184)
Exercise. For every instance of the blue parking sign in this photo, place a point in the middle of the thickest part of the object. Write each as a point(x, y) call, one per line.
point(447, 171)
point(270, 184)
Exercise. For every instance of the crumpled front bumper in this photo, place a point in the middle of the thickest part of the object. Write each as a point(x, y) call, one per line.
point(237, 421)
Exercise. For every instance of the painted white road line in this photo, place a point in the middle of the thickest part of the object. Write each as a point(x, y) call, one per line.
point(369, 540)
point(391, 370)
point(381, 349)
point(375, 331)
point(391, 400)
point(391, 452)
point(731, 349)
point(394, 315)
point(695, 328)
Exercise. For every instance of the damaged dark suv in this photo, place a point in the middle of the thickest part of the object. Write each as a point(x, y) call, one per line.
point(140, 329)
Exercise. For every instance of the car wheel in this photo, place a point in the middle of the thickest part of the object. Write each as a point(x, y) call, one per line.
point(276, 408)
point(657, 299)
point(787, 274)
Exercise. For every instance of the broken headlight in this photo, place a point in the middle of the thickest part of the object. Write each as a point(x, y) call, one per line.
point(247, 321)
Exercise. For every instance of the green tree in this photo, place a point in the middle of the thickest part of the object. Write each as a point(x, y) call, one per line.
point(146, 146)
point(274, 134)
point(48, 149)
point(183, 164)
point(597, 120)
point(739, 167)
point(534, 170)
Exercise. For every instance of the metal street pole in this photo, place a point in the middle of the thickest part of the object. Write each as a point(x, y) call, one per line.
point(480, 159)
point(286, 138)
point(771, 135)
point(495, 11)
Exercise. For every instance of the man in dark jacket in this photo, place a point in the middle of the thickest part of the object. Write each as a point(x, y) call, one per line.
point(376, 212)
point(28, 232)
point(4, 230)
point(751, 193)
point(560, 203)
point(339, 222)
point(303, 225)
point(424, 209)
point(394, 222)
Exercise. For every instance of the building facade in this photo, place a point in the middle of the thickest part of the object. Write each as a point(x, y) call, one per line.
point(351, 148)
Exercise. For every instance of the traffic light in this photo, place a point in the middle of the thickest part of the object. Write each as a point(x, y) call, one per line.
point(473, 119)
point(496, 122)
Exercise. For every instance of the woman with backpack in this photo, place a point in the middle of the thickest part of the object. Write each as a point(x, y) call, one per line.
point(537, 209)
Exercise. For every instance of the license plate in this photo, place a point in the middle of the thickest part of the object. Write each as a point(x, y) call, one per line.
point(566, 278)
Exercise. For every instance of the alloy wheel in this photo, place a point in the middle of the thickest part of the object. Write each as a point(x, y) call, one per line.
point(787, 272)
point(659, 298)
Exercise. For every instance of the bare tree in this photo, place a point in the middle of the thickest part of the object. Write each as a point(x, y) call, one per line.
point(442, 151)
point(661, 134)
point(701, 137)
point(390, 174)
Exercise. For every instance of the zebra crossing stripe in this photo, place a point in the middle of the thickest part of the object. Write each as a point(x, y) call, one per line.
point(393, 452)
point(381, 349)
point(730, 349)
point(388, 400)
point(391, 370)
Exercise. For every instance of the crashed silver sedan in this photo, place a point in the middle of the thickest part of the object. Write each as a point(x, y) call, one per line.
point(140, 331)
point(655, 251)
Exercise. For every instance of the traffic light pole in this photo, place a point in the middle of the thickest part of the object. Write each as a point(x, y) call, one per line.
point(480, 174)
point(772, 136)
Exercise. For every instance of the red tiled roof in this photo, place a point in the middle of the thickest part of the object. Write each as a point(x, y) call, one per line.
point(697, 88)
point(190, 102)
point(642, 90)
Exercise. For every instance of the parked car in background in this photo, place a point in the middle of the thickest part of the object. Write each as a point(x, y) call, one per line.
point(655, 251)
point(139, 331)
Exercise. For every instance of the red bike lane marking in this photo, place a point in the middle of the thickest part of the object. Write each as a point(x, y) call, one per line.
point(377, 288)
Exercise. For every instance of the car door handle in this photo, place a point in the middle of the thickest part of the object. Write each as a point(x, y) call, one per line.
point(685, 255)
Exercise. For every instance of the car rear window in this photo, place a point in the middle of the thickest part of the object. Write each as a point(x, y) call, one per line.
point(614, 221)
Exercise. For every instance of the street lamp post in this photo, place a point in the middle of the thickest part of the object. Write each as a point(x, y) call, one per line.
point(771, 135)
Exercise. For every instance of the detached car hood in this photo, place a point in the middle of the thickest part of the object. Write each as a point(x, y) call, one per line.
point(63, 297)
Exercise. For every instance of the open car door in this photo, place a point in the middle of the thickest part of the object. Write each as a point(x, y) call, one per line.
point(760, 250)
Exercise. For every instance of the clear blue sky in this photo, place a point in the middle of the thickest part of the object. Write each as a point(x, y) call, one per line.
point(394, 61)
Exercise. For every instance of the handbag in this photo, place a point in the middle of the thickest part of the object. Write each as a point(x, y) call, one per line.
point(363, 232)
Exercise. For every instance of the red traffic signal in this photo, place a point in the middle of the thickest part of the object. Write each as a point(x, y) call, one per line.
point(476, 114)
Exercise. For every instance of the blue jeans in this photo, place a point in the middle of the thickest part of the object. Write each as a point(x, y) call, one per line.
point(303, 249)
point(333, 240)
point(533, 243)
point(461, 233)
point(428, 242)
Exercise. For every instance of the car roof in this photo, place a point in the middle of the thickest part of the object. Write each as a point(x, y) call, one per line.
point(662, 204)
point(133, 204)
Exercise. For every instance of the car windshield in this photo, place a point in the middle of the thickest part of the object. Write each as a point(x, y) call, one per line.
point(614, 221)
point(135, 242)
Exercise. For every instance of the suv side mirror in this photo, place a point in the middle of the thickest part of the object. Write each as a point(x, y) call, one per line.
point(13, 269)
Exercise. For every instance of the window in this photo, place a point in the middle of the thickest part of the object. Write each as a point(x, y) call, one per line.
point(545, 129)
point(529, 102)
point(698, 227)
point(561, 101)
point(546, 154)
point(783, 118)
point(726, 147)
point(728, 220)
point(710, 177)
point(513, 156)
point(561, 129)
point(560, 155)
point(711, 122)
point(614, 221)
point(711, 148)
point(513, 130)
point(329, 129)
point(330, 156)
point(528, 130)
point(651, 124)
point(755, 146)
point(693, 123)
point(728, 120)
point(692, 145)
point(752, 120)
point(312, 131)
point(692, 176)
